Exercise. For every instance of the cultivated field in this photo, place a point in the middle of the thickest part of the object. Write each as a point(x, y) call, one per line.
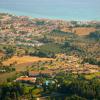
point(1, 54)
point(83, 30)
point(5, 76)
point(24, 60)
point(80, 30)
point(21, 64)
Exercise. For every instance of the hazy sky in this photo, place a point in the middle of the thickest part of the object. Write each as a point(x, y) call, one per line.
point(85, 8)
point(52, 2)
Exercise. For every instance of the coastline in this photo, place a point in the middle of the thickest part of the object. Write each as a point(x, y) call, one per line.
point(31, 15)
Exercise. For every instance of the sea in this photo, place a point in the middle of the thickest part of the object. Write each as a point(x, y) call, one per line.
point(53, 9)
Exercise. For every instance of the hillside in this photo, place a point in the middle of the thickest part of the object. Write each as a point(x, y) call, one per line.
point(49, 59)
point(81, 30)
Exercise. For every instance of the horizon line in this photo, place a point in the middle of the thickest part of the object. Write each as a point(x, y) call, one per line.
point(48, 18)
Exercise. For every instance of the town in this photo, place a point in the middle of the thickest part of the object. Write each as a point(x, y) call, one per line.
point(46, 59)
point(23, 30)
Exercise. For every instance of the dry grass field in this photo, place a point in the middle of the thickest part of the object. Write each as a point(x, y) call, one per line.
point(83, 30)
point(91, 76)
point(4, 76)
point(80, 30)
point(24, 60)
point(21, 65)
point(1, 54)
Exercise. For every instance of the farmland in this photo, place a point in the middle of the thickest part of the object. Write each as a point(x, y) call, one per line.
point(24, 59)
point(1, 54)
point(43, 57)
point(5, 76)
point(81, 31)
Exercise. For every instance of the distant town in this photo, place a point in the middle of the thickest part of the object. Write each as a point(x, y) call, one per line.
point(22, 30)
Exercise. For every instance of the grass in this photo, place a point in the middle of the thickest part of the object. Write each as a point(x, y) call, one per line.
point(21, 63)
point(37, 92)
point(24, 60)
point(1, 54)
point(5, 76)
point(84, 30)
point(80, 30)
point(91, 76)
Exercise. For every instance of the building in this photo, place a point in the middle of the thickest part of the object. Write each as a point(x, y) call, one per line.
point(26, 79)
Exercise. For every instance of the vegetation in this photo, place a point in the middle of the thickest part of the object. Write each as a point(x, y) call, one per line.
point(95, 35)
point(81, 46)
point(70, 86)
point(48, 50)
point(38, 45)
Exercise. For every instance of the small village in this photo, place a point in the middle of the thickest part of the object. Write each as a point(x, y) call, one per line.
point(62, 63)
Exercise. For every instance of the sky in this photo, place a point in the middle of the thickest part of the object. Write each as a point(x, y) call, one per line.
point(83, 9)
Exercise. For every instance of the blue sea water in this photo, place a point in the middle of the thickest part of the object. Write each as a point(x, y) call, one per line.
point(54, 9)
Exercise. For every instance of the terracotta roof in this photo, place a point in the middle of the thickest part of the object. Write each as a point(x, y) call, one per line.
point(26, 79)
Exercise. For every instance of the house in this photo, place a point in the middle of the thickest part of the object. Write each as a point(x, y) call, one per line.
point(26, 79)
